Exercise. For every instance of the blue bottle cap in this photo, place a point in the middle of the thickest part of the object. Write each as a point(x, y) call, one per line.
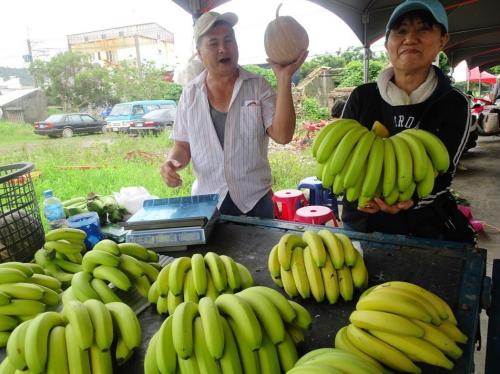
point(48, 193)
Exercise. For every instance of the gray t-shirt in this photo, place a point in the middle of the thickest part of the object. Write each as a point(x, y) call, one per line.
point(219, 120)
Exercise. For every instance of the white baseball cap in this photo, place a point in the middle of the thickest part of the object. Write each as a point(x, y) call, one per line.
point(205, 22)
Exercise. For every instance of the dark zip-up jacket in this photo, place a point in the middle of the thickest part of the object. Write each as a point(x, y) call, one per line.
point(446, 114)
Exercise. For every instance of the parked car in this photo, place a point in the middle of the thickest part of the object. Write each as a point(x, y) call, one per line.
point(68, 124)
point(154, 122)
point(124, 114)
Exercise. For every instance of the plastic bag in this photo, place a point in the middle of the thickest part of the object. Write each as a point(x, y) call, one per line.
point(132, 198)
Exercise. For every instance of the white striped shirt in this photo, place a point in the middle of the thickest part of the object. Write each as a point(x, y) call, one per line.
point(242, 167)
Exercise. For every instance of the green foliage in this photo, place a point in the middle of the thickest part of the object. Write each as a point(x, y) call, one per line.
point(443, 63)
point(268, 74)
point(353, 74)
point(494, 70)
point(311, 111)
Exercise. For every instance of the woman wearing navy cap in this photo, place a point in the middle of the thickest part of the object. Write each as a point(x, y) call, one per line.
point(413, 93)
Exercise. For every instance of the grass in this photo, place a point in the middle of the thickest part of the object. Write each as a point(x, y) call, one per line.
point(117, 161)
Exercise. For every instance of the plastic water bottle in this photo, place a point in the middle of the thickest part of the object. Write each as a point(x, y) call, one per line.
point(53, 210)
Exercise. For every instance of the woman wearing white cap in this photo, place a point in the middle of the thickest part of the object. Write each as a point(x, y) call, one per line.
point(413, 93)
point(224, 120)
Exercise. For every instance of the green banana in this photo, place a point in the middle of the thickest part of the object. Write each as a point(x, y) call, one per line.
point(100, 361)
point(57, 357)
point(299, 274)
point(359, 156)
point(79, 318)
point(344, 148)
point(113, 275)
point(93, 258)
point(408, 193)
point(11, 275)
point(359, 273)
point(134, 250)
point(123, 353)
point(163, 280)
point(106, 294)
point(249, 359)
point(287, 353)
point(273, 263)
point(125, 320)
point(214, 334)
point(21, 266)
point(334, 247)
point(320, 137)
point(389, 168)
point(285, 246)
point(21, 307)
point(165, 355)
point(230, 360)
point(182, 328)
point(20, 290)
point(393, 197)
point(328, 178)
point(316, 247)
point(418, 154)
point(199, 274)
point(189, 290)
point(50, 297)
point(373, 168)
point(78, 358)
point(404, 163)
point(149, 270)
point(426, 185)
point(314, 275)
point(101, 322)
point(206, 362)
point(178, 270)
point(287, 313)
point(217, 271)
point(67, 266)
point(303, 318)
point(353, 193)
point(232, 272)
point(8, 323)
point(334, 138)
point(435, 148)
point(66, 233)
point(142, 284)
point(268, 357)
point(16, 346)
point(107, 245)
point(74, 200)
point(153, 293)
point(63, 247)
point(131, 266)
point(172, 303)
point(45, 280)
point(82, 288)
point(244, 317)
point(37, 337)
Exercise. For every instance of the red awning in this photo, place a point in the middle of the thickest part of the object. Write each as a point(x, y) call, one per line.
point(484, 77)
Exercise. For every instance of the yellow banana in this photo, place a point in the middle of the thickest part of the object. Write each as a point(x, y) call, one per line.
point(286, 311)
point(359, 156)
point(426, 185)
point(350, 253)
point(112, 275)
point(287, 353)
point(418, 154)
point(344, 148)
point(81, 287)
point(316, 247)
point(285, 246)
point(373, 168)
point(342, 342)
point(57, 357)
point(359, 273)
point(106, 294)
point(206, 362)
point(399, 304)
point(199, 274)
point(273, 263)
point(296, 333)
point(230, 360)
point(217, 271)
point(346, 287)
point(245, 275)
point(107, 245)
point(299, 273)
point(182, 328)
point(383, 321)
point(102, 323)
point(435, 148)
point(314, 275)
point(380, 350)
point(233, 275)
point(126, 322)
point(100, 361)
point(334, 247)
point(243, 316)
point(268, 357)
point(389, 168)
point(453, 331)
point(435, 336)
point(333, 138)
point(288, 283)
point(268, 316)
point(78, 358)
point(331, 281)
point(404, 163)
point(165, 355)
point(415, 348)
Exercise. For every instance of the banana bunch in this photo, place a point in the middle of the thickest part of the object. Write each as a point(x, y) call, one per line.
point(252, 331)
point(125, 265)
point(322, 264)
point(400, 323)
point(191, 278)
point(25, 291)
point(106, 207)
point(333, 360)
point(75, 206)
point(61, 255)
point(365, 164)
point(80, 339)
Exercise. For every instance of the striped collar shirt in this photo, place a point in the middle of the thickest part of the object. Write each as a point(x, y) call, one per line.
point(241, 167)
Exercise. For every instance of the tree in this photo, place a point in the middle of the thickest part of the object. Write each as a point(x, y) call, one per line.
point(495, 70)
point(353, 74)
point(268, 74)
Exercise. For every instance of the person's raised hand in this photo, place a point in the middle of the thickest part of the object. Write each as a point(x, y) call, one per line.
point(169, 173)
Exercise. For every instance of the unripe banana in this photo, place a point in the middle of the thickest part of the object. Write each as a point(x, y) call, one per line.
point(153, 293)
point(233, 275)
point(299, 274)
point(113, 275)
point(66, 233)
point(21, 307)
point(127, 323)
point(57, 357)
point(359, 273)
point(176, 274)
point(407, 194)
point(189, 291)
point(82, 288)
point(63, 247)
point(426, 185)
point(172, 303)
point(21, 266)
point(360, 154)
point(163, 280)
point(8, 323)
point(373, 168)
point(199, 274)
point(78, 316)
point(287, 353)
point(134, 250)
point(153, 256)
point(245, 275)
point(11, 275)
point(217, 271)
point(327, 178)
point(418, 153)
point(214, 333)
point(149, 270)
point(16, 346)
point(206, 363)
point(331, 281)
point(106, 294)
point(404, 163)
point(393, 197)
point(249, 359)
point(230, 360)
point(101, 322)
point(303, 318)
point(287, 313)
point(350, 253)
point(316, 247)
point(93, 259)
point(100, 361)
point(320, 136)
point(165, 355)
point(107, 245)
point(131, 266)
point(182, 328)
point(268, 357)
point(389, 168)
point(353, 193)
point(296, 333)
point(141, 284)
point(45, 280)
point(333, 138)
point(435, 148)
point(344, 148)
point(67, 266)
point(78, 358)
point(123, 353)
point(346, 287)
point(50, 297)
point(20, 291)
point(151, 357)
point(244, 317)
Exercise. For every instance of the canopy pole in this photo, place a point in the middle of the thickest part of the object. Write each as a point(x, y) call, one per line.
point(365, 19)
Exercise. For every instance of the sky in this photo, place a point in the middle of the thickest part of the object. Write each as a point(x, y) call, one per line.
point(46, 24)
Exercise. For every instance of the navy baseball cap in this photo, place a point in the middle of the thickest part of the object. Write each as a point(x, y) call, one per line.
point(433, 6)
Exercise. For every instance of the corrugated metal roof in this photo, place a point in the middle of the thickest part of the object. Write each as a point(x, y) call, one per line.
point(10, 96)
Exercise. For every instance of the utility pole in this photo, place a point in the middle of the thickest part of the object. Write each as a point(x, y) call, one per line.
point(30, 51)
